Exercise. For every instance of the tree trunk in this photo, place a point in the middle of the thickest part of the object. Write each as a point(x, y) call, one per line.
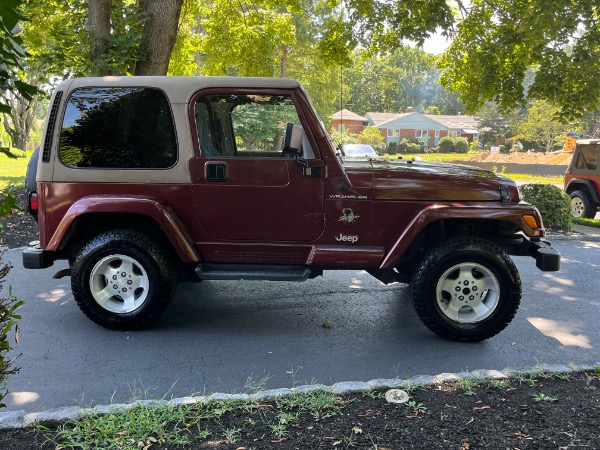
point(98, 27)
point(18, 124)
point(159, 35)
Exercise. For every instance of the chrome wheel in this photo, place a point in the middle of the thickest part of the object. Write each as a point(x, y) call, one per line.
point(119, 284)
point(467, 293)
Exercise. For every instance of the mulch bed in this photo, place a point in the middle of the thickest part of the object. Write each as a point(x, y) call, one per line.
point(548, 413)
point(19, 229)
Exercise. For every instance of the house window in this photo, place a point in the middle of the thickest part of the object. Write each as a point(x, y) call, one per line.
point(420, 133)
point(393, 133)
point(341, 127)
point(437, 133)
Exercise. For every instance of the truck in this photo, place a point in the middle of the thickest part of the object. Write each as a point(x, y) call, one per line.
point(145, 182)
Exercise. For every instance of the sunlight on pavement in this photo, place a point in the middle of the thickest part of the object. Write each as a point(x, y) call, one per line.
point(53, 296)
point(355, 284)
point(562, 332)
point(22, 398)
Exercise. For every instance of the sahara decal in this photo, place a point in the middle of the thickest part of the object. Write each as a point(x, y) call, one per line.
point(348, 216)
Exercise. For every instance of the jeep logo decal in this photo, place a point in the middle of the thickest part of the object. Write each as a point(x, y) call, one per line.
point(346, 238)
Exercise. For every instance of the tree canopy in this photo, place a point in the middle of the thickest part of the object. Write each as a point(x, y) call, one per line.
point(497, 41)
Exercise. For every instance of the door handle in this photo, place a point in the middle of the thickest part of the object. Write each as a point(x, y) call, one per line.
point(216, 171)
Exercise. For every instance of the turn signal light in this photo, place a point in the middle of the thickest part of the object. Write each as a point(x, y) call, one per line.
point(531, 221)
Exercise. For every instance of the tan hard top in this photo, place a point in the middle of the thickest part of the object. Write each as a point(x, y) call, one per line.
point(179, 89)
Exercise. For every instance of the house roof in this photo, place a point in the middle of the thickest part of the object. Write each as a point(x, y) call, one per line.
point(348, 115)
point(455, 122)
point(381, 118)
point(458, 122)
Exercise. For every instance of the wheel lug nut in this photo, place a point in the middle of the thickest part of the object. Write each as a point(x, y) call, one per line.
point(114, 277)
point(115, 286)
point(457, 288)
point(471, 297)
point(466, 283)
point(129, 282)
point(123, 274)
point(124, 289)
point(474, 288)
point(461, 297)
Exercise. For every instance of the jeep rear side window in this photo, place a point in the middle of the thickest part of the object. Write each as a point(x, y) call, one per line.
point(588, 157)
point(244, 125)
point(118, 128)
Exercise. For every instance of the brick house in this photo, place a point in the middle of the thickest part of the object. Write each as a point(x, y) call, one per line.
point(412, 125)
point(345, 120)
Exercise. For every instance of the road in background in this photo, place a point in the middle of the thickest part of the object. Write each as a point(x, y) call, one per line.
point(218, 335)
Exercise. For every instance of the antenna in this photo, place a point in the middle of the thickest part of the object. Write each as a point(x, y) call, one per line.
point(341, 89)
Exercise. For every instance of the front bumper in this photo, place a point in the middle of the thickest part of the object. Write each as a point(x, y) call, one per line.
point(37, 258)
point(547, 259)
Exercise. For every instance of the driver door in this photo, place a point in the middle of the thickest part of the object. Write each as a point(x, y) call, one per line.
point(247, 181)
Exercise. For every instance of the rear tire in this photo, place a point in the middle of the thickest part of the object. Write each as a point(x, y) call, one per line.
point(31, 173)
point(582, 206)
point(122, 280)
point(466, 289)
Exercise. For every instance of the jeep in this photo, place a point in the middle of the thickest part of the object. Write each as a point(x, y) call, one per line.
point(582, 179)
point(144, 182)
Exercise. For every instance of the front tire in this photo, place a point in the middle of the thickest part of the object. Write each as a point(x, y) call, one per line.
point(122, 280)
point(466, 289)
point(581, 205)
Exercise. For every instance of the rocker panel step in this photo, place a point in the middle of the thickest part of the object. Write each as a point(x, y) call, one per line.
point(252, 272)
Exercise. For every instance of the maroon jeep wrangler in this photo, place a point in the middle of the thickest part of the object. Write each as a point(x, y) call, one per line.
point(146, 182)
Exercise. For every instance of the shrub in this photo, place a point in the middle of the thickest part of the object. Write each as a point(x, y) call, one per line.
point(372, 136)
point(552, 202)
point(8, 304)
point(446, 144)
point(393, 148)
point(403, 145)
point(461, 145)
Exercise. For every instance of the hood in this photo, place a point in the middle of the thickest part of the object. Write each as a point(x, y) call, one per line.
point(430, 181)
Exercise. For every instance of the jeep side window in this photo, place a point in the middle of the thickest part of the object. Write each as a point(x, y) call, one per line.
point(118, 128)
point(245, 125)
point(588, 157)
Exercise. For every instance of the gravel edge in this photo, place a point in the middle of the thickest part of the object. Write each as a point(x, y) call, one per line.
point(11, 420)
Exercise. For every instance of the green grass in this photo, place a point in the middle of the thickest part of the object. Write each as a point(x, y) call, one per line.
point(525, 178)
point(153, 426)
point(12, 170)
point(587, 222)
point(433, 156)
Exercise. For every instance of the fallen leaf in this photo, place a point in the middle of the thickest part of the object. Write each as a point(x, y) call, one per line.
point(367, 413)
point(479, 408)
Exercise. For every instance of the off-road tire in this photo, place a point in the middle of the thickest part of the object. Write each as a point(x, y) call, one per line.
point(31, 173)
point(143, 260)
point(474, 261)
point(582, 206)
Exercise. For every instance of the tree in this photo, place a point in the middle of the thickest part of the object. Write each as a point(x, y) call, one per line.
point(498, 41)
point(156, 39)
point(541, 126)
point(11, 55)
point(372, 136)
point(492, 124)
point(432, 110)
